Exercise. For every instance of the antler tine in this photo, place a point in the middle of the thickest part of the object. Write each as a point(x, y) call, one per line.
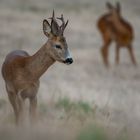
point(63, 22)
point(53, 20)
point(66, 23)
point(63, 25)
point(62, 19)
point(53, 15)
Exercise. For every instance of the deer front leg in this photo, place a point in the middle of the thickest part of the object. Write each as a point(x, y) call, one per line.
point(17, 103)
point(104, 50)
point(117, 54)
point(13, 101)
point(130, 49)
point(104, 53)
point(33, 109)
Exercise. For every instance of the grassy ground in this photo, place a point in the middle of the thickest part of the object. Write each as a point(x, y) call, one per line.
point(83, 101)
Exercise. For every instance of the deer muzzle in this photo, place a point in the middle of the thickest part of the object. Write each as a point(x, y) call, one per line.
point(68, 61)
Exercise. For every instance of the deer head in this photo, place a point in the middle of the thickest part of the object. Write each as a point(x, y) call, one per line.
point(114, 11)
point(58, 48)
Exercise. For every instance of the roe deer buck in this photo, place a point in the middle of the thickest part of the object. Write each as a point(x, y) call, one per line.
point(21, 71)
point(113, 27)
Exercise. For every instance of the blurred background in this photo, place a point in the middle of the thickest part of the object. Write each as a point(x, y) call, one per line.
point(83, 101)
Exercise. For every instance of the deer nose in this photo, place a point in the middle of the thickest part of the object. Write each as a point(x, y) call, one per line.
point(69, 61)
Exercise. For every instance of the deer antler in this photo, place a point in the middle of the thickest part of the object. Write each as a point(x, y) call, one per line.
point(63, 22)
point(53, 19)
point(60, 29)
point(63, 26)
point(54, 25)
point(53, 16)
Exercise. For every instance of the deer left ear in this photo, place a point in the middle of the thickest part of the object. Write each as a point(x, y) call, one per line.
point(109, 5)
point(118, 6)
point(46, 27)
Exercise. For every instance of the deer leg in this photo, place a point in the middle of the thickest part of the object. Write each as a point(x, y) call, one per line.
point(13, 101)
point(21, 114)
point(117, 54)
point(104, 52)
point(130, 49)
point(33, 108)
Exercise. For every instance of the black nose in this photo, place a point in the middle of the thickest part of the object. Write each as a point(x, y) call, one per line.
point(69, 61)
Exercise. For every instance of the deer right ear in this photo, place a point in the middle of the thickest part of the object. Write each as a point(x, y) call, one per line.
point(46, 27)
point(109, 5)
point(118, 6)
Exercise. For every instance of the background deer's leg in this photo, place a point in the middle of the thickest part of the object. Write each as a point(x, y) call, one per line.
point(104, 52)
point(21, 112)
point(117, 54)
point(130, 49)
point(33, 108)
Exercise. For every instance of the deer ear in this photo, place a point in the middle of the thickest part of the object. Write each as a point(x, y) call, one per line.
point(118, 6)
point(109, 5)
point(46, 27)
point(54, 27)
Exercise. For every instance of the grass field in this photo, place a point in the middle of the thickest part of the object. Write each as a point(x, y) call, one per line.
point(83, 101)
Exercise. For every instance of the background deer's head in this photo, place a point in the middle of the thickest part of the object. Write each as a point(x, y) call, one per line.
point(114, 12)
point(57, 45)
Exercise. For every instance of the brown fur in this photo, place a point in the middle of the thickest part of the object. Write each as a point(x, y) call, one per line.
point(113, 27)
point(22, 72)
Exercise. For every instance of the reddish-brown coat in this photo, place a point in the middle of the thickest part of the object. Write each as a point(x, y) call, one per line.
point(113, 27)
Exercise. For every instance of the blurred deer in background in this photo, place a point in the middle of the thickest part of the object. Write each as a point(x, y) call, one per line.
point(114, 27)
point(22, 72)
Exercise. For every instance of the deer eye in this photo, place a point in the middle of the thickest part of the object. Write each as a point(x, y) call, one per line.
point(58, 46)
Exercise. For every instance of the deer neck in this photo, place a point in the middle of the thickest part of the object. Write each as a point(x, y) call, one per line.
point(40, 61)
point(120, 27)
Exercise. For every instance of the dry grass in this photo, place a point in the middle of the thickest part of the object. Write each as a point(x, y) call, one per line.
point(113, 92)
